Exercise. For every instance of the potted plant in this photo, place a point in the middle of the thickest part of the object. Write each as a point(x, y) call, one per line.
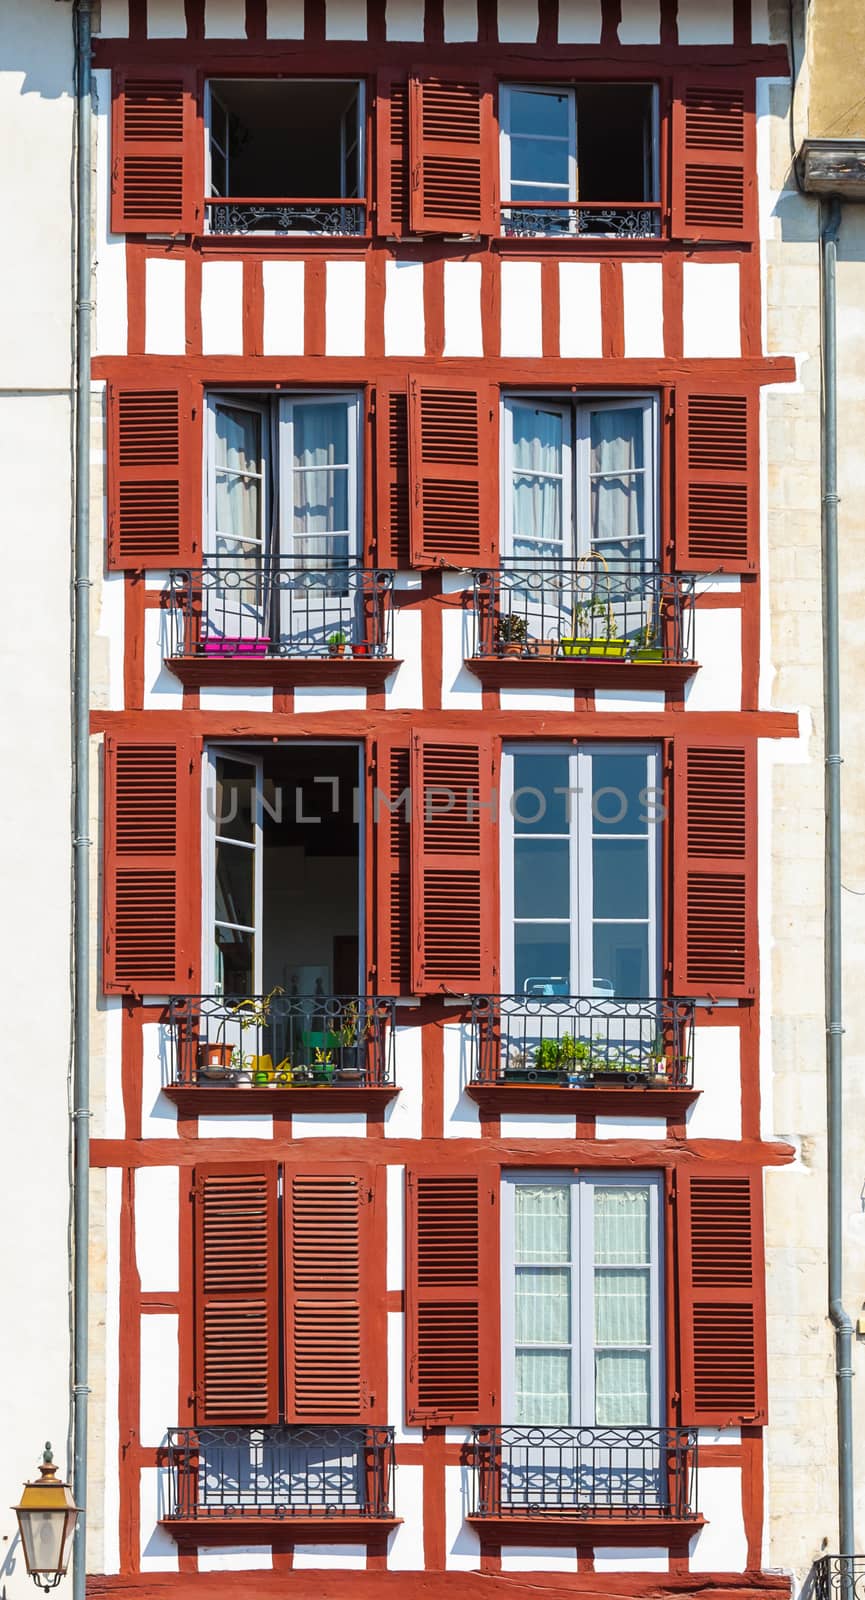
point(649, 649)
point(511, 634)
point(360, 649)
point(323, 1066)
point(254, 1012)
point(545, 649)
point(216, 1062)
point(350, 1041)
point(589, 640)
point(236, 645)
point(336, 644)
point(549, 1059)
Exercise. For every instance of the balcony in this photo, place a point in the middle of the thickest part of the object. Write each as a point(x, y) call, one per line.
point(608, 1054)
point(838, 1578)
point(525, 1478)
point(330, 1481)
point(277, 621)
point(582, 623)
point(334, 218)
point(265, 1052)
point(575, 219)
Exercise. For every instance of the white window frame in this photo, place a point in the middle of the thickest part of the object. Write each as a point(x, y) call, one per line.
point(581, 920)
point(576, 508)
point(285, 464)
point(582, 1343)
point(360, 84)
point(572, 90)
point(243, 756)
point(237, 402)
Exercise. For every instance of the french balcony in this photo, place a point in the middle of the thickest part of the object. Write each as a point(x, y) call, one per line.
point(335, 1482)
point(579, 219)
point(278, 621)
point(606, 1053)
point(838, 1578)
point(583, 623)
point(244, 214)
point(266, 1052)
point(528, 1478)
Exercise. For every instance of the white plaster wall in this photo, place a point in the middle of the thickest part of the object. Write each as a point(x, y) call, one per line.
point(158, 1548)
point(158, 1113)
point(164, 307)
point(404, 332)
point(404, 19)
point(160, 1376)
point(403, 1115)
point(157, 1227)
point(579, 21)
point(345, 308)
point(521, 308)
point(235, 1558)
point(711, 315)
point(461, 690)
point(717, 1074)
point(718, 684)
point(285, 19)
point(461, 1114)
point(405, 1545)
point(341, 1557)
point(404, 688)
point(222, 308)
point(579, 305)
point(460, 21)
point(462, 313)
point(534, 1558)
point(109, 248)
point(721, 1546)
point(462, 1545)
point(283, 308)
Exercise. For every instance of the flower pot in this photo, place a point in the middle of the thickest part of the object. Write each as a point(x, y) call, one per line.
point(545, 649)
point(510, 647)
point(615, 649)
point(336, 650)
point(648, 653)
point(348, 1075)
point(238, 646)
point(215, 1062)
point(360, 649)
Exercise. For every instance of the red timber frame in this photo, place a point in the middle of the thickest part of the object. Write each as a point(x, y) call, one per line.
point(709, 448)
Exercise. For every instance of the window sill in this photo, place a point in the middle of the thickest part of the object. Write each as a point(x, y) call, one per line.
point(578, 672)
point(561, 1526)
point(282, 672)
point(591, 1099)
point(282, 244)
point(202, 1099)
point(222, 1526)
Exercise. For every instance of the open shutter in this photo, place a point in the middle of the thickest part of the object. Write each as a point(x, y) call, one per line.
point(452, 452)
point(150, 886)
point(393, 870)
point(236, 1295)
point(452, 147)
point(327, 1251)
point(392, 163)
point(393, 546)
point(452, 864)
point(722, 1312)
point(451, 1320)
point(714, 158)
point(717, 505)
point(156, 158)
point(714, 870)
point(154, 476)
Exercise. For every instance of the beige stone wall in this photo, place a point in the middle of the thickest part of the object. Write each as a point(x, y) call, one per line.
point(836, 69)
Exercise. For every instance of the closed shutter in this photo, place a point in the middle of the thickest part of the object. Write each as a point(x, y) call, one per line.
point(156, 166)
point(714, 870)
point(393, 862)
point(717, 505)
point(151, 893)
point(326, 1251)
point(392, 159)
point(452, 453)
point(452, 1297)
point(721, 1296)
point(452, 865)
point(714, 159)
point(236, 1295)
point(452, 147)
point(393, 546)
point(154, 475)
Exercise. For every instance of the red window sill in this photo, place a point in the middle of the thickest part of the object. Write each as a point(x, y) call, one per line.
point(564, 1527)
point(282, 672)
point(604, 1100)
point(201, 1099)
point(501, 672)
point(224, 1528)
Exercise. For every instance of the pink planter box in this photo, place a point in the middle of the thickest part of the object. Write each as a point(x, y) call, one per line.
point(236, 647)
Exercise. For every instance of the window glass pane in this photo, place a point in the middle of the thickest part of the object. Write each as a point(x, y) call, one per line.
point(320, 434)
point(622, 1388)
point(536, 808)
point(543, 1306)
point(542, 958)
point(620, 877)
point(321, 502)
point(621, 959)
point(617, 508)
point(543, 1387)
point(238, 439)
point(542, 1222)
point(621, 1306)
point(539, 161)
point(234, 884)
point(539, 111)
point(538, 511)
point(234, 797)
point(238, 507)
point(622, 810)
point(538, 437)
point(616, 440)
point(621, 1225)
point(235, 963)
point(541, 886)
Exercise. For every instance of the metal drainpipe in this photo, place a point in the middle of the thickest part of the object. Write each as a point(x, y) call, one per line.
point(81, 784)
point(830, 222)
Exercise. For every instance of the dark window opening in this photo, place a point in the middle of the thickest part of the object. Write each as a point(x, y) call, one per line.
point(614, 142)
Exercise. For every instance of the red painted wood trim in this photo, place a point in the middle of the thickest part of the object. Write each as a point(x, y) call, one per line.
point(261, 1530)
point(512, 372)
point(440, 1585)
point(282, 672)
point(612, 310)
point(532, 673)
point(253, 307)
point(705, 725)
point(314, 291)
point(203, 1100)
point(133, 641)
point(374, 306)
point(588, 1102)
point(434, 307)
point(426, 1152)
point(556, 1531)
point(550, 308)
point(135, 301)
point(129, 1368)
point(223, 56)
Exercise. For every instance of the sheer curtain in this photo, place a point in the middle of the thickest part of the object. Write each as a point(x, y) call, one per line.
point(542, 1310)
point(537, 479)
point(622, 1307)
point(616, 468)
point(320, 472)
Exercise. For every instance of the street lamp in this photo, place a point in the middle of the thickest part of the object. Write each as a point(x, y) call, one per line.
point(46, 1521)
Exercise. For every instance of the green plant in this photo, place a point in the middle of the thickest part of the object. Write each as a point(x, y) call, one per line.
point(352, 1030)
point(322, 1058)
point(587, 612)
point(253, 1012)
point(335, 639)
point(511, 629)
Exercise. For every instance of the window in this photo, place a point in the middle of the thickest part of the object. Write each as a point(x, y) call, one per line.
point(285, 156)
point(579, 870)
point(581, 1313)
point(579, 159)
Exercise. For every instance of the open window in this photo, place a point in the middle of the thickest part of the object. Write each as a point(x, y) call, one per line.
point(579, 159)
point(285, 156)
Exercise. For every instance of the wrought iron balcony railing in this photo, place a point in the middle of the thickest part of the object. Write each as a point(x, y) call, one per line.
point(631, 1473)
point(638, 219)
point(268, 215)
point(280, 1472)
point(582, 1040)
point(280, 606)
point(281, 1041)
point(581, 609)
point(838, 1578)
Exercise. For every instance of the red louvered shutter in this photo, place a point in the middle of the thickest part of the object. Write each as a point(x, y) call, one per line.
point(154, 476)
point(717, 505)
point(149, 887)
point(156, 168)
point(236, 1295)
point(451, 1297)
point(714, 159)
point(393, 874)
point(393, 545)
point(722, 1308)
point(454, 503)
point(392, 163)
point(714, 870)
point(453, 140)
point(452, 864)
point(326, 1247)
